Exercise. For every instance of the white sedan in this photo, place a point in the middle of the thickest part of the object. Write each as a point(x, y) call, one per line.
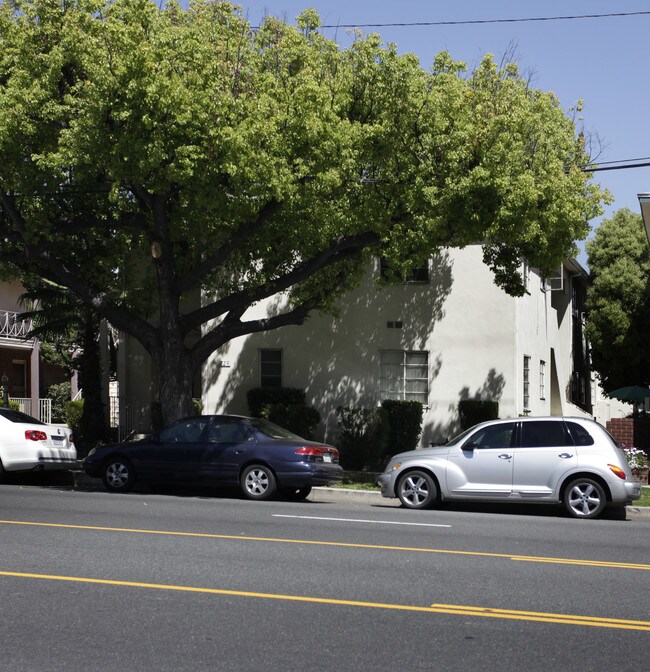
point(27, 444)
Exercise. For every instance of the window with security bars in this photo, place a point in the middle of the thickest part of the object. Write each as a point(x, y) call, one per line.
point(405, 376)
point(270, 368)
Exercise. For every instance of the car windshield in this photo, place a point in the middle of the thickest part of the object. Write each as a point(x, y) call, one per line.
point(272, 431)
point(17, 416)
point(461, 436)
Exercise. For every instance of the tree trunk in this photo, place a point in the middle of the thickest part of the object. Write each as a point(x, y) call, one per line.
point(93, 419)
point(175, 383)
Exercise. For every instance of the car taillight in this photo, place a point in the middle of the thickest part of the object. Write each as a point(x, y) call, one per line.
point(35, 435)
point(319, 453)
point(617, 471)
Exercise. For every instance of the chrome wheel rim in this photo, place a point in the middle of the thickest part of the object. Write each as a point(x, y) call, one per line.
point(584, 499)
point(256, 482)
point(117, 475)
point(414, 490)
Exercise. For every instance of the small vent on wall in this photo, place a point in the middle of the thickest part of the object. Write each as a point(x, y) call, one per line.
point(394, 325)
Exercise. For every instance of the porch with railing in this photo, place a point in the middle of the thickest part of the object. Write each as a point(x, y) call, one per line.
point(12, 327)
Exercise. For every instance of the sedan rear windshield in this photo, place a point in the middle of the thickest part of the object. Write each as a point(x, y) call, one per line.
point(18, 416)
point(272, 431)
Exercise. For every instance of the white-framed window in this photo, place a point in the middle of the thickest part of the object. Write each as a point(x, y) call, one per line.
point(405, 375)
point(270, 367)
point(542, 376)
point(526, 382)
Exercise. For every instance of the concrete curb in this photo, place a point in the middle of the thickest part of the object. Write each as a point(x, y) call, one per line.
point(337, 495)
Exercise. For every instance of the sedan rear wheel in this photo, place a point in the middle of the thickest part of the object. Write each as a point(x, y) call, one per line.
point(417, 490)
point(585, 498)
point(118, 475)
point(258, 482)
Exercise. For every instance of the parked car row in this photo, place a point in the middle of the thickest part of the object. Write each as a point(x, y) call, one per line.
point(572, 461)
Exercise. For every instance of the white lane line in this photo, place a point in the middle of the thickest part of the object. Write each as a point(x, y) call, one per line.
point(359, 520)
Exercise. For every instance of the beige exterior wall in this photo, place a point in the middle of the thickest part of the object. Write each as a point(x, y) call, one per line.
point(475, 334)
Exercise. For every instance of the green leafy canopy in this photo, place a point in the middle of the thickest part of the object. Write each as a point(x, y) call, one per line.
point(618, 301)
point(148, 154)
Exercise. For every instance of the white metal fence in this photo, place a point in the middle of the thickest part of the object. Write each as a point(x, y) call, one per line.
point(44, 408)
point(124, 415)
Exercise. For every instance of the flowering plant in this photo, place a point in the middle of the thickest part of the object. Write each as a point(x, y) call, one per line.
point(636, 458)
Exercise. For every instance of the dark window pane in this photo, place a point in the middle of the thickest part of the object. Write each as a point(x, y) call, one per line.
point(494, 436)
point(580, 436)
point(184, 431)
point(271, 368)
point(542, 433)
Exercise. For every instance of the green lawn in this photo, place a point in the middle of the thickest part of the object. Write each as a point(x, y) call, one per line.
point(645, 498)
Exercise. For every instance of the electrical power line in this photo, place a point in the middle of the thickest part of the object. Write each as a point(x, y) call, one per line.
point(601, 167)
point(483, 21)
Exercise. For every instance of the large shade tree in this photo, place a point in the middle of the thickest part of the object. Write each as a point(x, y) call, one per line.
point(618, 301)
point(172, 167)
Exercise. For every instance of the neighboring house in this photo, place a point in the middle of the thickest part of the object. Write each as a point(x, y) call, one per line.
point(28, 377)
point(446, 334)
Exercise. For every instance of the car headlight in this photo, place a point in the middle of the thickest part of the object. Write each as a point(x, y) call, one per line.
point(92, 451)
point(393, 467)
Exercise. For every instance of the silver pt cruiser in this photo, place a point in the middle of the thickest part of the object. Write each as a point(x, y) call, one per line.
point(554, 460)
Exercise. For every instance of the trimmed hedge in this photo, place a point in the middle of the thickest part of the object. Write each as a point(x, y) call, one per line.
point(405, 424)
point(259, 397)
point(362, 437)
point(284, 406)
point(473, 411)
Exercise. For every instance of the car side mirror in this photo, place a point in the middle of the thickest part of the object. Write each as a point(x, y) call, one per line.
point(470, 445)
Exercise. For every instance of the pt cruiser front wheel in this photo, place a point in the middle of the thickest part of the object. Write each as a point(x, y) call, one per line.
point(416, 490)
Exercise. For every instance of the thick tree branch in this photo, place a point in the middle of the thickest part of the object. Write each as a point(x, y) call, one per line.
point(38, 260)
point(340, 249)
point(233, 328)
point(194, 277)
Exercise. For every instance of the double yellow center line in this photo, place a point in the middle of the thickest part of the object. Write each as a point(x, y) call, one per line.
point(449, 609)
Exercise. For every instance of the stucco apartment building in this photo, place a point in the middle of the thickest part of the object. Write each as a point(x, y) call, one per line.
point(447, 333)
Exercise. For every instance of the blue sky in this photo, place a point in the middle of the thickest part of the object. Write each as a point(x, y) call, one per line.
point(602, 61)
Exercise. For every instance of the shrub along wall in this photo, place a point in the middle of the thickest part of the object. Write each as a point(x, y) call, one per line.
point(284, 406)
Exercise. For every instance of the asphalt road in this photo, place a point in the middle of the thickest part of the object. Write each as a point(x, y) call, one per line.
point(185, 580)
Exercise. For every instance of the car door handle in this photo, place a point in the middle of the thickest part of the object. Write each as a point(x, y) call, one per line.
point(239, 452)
point(505, 456)
point(565, 456)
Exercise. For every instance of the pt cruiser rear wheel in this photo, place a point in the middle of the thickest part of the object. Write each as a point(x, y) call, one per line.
point(416, 490)
point(584, 498)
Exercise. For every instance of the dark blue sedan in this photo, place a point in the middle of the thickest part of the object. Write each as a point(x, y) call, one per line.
point(223, 450)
